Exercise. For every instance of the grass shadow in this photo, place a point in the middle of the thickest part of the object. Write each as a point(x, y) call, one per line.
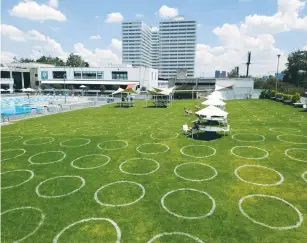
point(207, 136)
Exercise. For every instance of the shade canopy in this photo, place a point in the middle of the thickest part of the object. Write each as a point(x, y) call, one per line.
point(212, 111)
point(157, 91)
point(120, 90)
point(214, 102)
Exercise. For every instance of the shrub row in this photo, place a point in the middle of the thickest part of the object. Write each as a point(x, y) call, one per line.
point(272, 94)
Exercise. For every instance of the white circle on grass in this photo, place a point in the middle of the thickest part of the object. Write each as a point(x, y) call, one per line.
point(280, 139)
point(131, 173)
point(291, 157)
point(262, 138)
point(175, 233)
point(167, 148)
point(187, 217)
point(86, 141)
point(118, 232)
point(36, 228)
point(51, 139)
point(197, 157)
point(283, 129)
point(15, 138)
point(23, 151)
point(60, 195)
point(90, 168)
point(95, 133)
point(298, 224)
point(50, 162)
point(122, 134)
point(257, 158)
point(10, 132)
point(119, 205)
point(259, 184)
point(197, 163)
point(122, 141)
point(168, 138)
point(304, 176)
point(11, 171)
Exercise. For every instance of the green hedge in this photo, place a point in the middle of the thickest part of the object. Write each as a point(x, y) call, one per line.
point(267, 94)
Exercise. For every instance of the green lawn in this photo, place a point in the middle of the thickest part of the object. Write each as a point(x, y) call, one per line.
point(141, 147)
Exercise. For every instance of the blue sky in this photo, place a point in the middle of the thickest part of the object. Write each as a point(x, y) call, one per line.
point(87, 18)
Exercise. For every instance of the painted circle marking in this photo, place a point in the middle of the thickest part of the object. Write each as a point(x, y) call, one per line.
point(174, 137)
point(119, 205)
point(198, 157)
point(90, 168)
point(291, 157)
point(60, 195)
point(51, 139)
point(138, 148)
point(187, 217)
point(14, 140)
point(189, 179)
point(298, 224)
point(87, 141)
point(175, 233)
point(259, 184)
point(257, 158)
point(304, 176)
point(118, 232)
point(289, 128)
point(130, 173)
point(122, 141)
point(262, 138)
point(278, 137)
point(10, 171)
point(36, 228)
point(120, 134)
point(16, 156)
point(50, 162)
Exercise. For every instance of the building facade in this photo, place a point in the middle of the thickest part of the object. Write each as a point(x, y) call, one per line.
point(177, 46)
point(93, 78)
point(155, 49)
point(136, 44)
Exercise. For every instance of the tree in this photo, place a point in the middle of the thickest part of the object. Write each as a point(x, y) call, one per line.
point(76, 61)
point(232, 74)
point(26, 60)
point(102, 88)
point(51, 60)
point(296, 66)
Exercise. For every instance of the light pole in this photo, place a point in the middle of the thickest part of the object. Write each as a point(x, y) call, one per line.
point(278, 56)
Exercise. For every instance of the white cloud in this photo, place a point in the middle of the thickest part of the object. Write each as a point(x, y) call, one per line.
point(53, 28)
point(116, 44)
point(34, 11)
point(155, 28)
point(12, 32)
point(305, 48)
point(98, 57)
point(54, 3)
point(7, 57)
point(35, 35)
point(114, 18)
point(54, 49)
point(255, 34)
point(95, 37)
point(166, 11)
point(139, 16)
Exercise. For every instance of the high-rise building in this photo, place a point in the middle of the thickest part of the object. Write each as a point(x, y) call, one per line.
point(155, 49)
point(168, 49)
point(217, 74)
point(177, 45)
point(137, 44)
point(223, 74)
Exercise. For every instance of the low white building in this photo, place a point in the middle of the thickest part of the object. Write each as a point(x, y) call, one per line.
point(235, 88)
point(94, 77)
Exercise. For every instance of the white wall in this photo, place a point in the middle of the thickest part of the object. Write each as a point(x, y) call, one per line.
point(147, 77)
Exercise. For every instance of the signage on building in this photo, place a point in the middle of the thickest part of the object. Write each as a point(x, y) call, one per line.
point(44, 75)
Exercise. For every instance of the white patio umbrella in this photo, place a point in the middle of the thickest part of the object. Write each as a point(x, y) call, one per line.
point(212, 111)
point(82, 86)
point(214, 102)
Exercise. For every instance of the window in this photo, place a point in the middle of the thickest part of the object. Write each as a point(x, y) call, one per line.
point(59, 74)
point(89, 75)
point(100, 75)
point(119, 75)
point(77, 75)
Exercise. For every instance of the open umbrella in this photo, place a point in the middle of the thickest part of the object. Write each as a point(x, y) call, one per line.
point(82, 86)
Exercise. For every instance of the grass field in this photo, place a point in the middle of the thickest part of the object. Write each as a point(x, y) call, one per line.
point(120, 166)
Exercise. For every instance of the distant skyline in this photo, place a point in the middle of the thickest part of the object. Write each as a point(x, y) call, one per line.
point(227, 30)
